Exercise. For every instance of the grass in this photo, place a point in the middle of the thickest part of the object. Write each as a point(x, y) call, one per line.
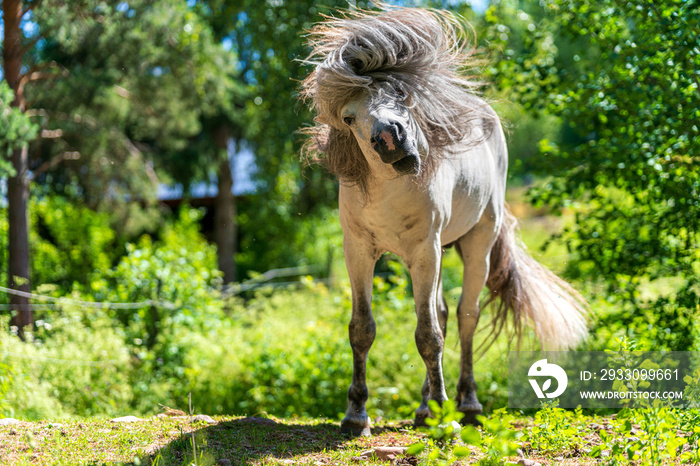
point(167, 441)
point(585, 440)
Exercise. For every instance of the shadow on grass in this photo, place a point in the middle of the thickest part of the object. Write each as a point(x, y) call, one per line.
point(247, 440)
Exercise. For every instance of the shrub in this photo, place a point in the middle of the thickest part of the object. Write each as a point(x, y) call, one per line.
point(67, 368)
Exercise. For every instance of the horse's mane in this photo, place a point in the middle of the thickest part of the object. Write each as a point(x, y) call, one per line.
point(420, 51)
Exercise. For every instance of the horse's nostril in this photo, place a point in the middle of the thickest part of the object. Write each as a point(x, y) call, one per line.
point(400, 131)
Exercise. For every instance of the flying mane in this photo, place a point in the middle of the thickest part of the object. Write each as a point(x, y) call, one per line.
point(421, 52)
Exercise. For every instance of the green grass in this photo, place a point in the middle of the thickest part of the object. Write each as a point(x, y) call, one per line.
point(168, 441)
point(655, 436)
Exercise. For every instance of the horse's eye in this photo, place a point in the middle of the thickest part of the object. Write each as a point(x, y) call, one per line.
point(400, 93)
point(349, 120)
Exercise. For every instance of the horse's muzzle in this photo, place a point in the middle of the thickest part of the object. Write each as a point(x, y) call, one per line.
point(409, 165)
point(395, 147)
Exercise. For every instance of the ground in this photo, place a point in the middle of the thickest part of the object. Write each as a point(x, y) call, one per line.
point(167, 440)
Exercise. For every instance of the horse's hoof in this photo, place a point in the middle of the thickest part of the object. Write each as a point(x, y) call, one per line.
point(421, 415)
point(470, 414)
point(354, 428)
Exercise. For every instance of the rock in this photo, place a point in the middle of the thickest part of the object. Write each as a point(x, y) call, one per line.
point(13, 431)
point(203, 418)
point(223, 462)
point(8, 421)
point(55, 425)
point(384, 453)
point(520, 453)
point(172, 412)
point(527, 462)
point(126, 419)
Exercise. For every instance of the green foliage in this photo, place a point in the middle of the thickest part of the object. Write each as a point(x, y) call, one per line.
point(70, 243)
point(77, 365)
point(16, 129)
point(554, 429)
point(6, 382)
point(499, 439)
point(127, 86)
point(496, 440)
point(176, 279)
point(647, 436)
point(443, 429)
point(622, 79)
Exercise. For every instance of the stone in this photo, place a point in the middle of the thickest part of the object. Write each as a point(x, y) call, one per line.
point(203, 418)
point(8, 421)
point(384, 453)
point(528, 462)
point(125, 419)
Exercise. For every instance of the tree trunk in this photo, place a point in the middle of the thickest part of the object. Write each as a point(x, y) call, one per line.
point(17, 185)
point(225, 217)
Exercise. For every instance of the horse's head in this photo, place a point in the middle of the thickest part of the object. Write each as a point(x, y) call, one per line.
point(386, 86)
point(388, 135)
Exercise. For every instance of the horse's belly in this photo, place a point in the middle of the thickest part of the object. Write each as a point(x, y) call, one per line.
point(464, 215)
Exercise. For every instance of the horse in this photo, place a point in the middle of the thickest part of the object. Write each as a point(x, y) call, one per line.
point(422, 160)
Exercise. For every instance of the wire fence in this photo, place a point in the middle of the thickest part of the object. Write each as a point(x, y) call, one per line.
point(265, 280)
point(74, 362)
point(53, 304)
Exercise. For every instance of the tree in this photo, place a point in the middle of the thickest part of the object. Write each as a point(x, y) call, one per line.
point(113, 87)
point(268, 40)
point(17, 183)
point(628, 165)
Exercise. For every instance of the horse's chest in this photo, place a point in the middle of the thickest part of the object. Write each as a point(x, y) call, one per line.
point(395, 225)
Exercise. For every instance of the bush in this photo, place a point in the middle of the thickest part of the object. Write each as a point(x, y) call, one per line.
point(67, 368)
point(70, 244)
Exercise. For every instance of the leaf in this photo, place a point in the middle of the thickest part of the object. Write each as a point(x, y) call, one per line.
point(415, 449)
point(461, 451)
point(470, 435)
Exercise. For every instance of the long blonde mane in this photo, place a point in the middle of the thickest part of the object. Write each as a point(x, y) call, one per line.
point(422, 52)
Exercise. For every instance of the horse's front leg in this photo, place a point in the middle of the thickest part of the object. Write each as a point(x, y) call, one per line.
point(360, 261)
point(424, 266)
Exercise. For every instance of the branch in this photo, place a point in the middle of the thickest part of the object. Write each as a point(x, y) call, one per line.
point(37, 73)
point(31, 7)
point(51, 133)
point(55, 160)
point(87, 121)
point(137, 154)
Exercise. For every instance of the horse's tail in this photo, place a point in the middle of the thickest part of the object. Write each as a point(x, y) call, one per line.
point(520, 285)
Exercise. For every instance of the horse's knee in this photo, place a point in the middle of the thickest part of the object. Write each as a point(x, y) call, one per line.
point(429, 342)
point(362, 333)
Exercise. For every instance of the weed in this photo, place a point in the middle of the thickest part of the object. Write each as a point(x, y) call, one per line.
point(496, 440)
point(554, 429)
